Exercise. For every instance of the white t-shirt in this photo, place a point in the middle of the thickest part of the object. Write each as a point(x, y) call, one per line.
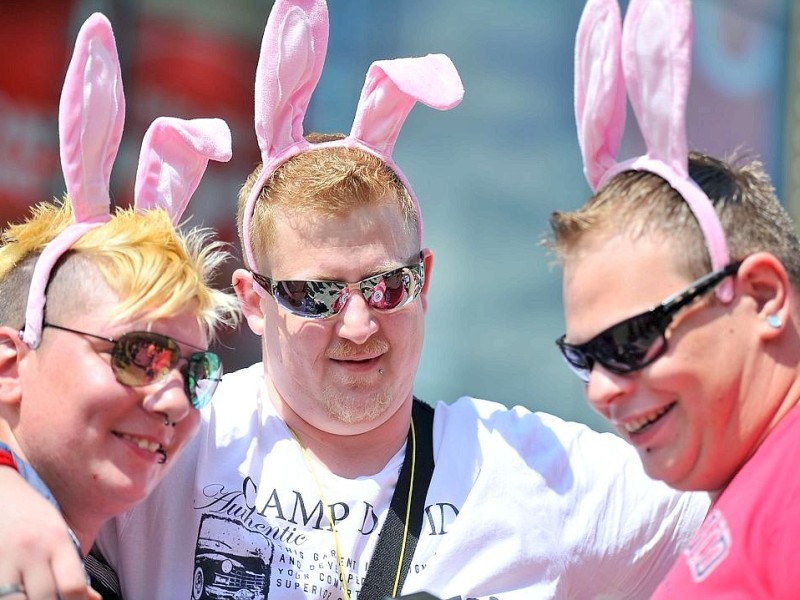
point(521, 505)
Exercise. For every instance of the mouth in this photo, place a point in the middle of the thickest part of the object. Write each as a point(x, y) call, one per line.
point(358, 361)
point(148, 445)
point(636, 426)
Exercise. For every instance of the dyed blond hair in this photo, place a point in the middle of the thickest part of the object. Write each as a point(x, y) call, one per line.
point(327, 182)
point(155, 270)
point(639, 203)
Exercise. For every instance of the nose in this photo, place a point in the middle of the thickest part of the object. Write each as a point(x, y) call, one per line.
point(357, 322)
point(605, 388)
point(168, 397)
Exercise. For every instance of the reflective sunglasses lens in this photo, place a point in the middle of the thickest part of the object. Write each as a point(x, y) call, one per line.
point(140, 358)
point(200, 376)
point(579, 362)
point(314, 299)
point(391, 290)
point(632, 344)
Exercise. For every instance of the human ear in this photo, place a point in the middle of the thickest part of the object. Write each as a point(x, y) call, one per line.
point(763, 278)
point(249, 300)
point(12, 351)
point(427, 257)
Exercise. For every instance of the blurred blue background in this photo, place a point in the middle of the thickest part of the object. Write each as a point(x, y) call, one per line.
point(487, 173)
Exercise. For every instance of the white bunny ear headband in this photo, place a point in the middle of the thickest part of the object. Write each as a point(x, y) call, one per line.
point(651, 57)
point(292, 54)
point(173, 158)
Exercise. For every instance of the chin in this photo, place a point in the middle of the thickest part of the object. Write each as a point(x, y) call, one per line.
point(350, 411)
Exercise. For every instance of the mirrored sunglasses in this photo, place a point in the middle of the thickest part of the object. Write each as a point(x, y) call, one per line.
point(140, 358)
point(386, 291)
point(636, 342)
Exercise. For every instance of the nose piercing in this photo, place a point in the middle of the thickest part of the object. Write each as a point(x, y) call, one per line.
point(167, 422)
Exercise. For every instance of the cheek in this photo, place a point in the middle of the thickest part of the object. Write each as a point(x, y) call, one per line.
point(292, 343)
point(405, 333)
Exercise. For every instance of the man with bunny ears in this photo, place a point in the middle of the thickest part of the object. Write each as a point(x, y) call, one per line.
point(316, 473)
point(682, 305)
point(106, 317)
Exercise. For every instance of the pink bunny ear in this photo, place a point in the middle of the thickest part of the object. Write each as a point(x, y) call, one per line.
point(656, 60)
point(289, 67)
point(174, 156)
point(654, 51)
point(91, 116)
point(391, 89)
point(292, 54)
point(90, 119)
point(599, 88)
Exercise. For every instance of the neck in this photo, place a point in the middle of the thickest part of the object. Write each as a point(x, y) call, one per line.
point(85, 522)
point(85, 529)
point(362, 453)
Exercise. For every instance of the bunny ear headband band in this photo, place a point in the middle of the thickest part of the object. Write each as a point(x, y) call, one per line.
point(651, 57)
point(173, 158)
point(292, 54)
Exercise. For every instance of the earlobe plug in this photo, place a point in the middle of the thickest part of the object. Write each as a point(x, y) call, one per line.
point(774, 321)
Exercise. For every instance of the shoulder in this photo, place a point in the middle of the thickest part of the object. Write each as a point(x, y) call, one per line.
point(247, 379)
point(236, 413)
point(529, 433)
point(599, 471)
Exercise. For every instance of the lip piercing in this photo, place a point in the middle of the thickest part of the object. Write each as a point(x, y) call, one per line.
point(162, 456)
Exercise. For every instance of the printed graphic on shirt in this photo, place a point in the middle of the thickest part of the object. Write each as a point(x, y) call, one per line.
point(249, 545)
point(710, 546)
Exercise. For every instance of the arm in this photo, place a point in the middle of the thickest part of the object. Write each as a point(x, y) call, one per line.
point(36, 548)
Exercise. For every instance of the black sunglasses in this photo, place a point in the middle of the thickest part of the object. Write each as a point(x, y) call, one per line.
point(322, 299)
point(141, 357)
point(636, 342)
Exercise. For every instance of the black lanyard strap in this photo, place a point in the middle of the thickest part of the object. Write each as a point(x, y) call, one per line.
point(379, 581)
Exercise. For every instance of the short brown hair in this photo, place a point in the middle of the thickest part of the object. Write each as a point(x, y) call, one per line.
point(640, 202)
point(326, 181)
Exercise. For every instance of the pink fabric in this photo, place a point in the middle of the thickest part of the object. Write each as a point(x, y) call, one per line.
point(650, 57)
point(174, 154)
point(746, 546)
point(173, 159)
point(292, 54)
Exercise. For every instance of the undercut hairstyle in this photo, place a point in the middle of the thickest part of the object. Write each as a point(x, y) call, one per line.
point(324, 182)
point(155, 270)
point(640, 203)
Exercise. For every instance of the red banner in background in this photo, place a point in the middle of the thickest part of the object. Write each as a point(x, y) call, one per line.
point(173, 64)
point(34, 36)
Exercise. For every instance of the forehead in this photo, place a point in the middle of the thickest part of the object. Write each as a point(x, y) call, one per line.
point(607, 280)
point(346, 246)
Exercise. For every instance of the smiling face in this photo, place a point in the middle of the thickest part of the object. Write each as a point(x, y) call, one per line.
point(348, 373)
point(689, 413)
point(94, 441)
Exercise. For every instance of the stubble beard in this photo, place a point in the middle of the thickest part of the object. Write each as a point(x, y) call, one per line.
point(356, 408)
point(349, 402)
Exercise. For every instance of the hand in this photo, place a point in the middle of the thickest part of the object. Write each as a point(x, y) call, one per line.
point(36, 550)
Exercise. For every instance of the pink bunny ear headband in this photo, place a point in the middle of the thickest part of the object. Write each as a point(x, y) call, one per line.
point(292, 54)
point(173, 158)
point(651, 57)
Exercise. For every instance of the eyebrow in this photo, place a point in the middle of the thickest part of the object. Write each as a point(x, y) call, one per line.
point(378, 269)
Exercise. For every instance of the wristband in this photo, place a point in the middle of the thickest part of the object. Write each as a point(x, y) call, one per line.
point(7, 459)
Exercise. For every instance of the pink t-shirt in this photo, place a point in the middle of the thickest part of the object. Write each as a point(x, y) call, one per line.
point(749, 543)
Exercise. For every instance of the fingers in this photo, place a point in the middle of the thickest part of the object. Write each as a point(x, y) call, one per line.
point(12, 591)
point(37, 551)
